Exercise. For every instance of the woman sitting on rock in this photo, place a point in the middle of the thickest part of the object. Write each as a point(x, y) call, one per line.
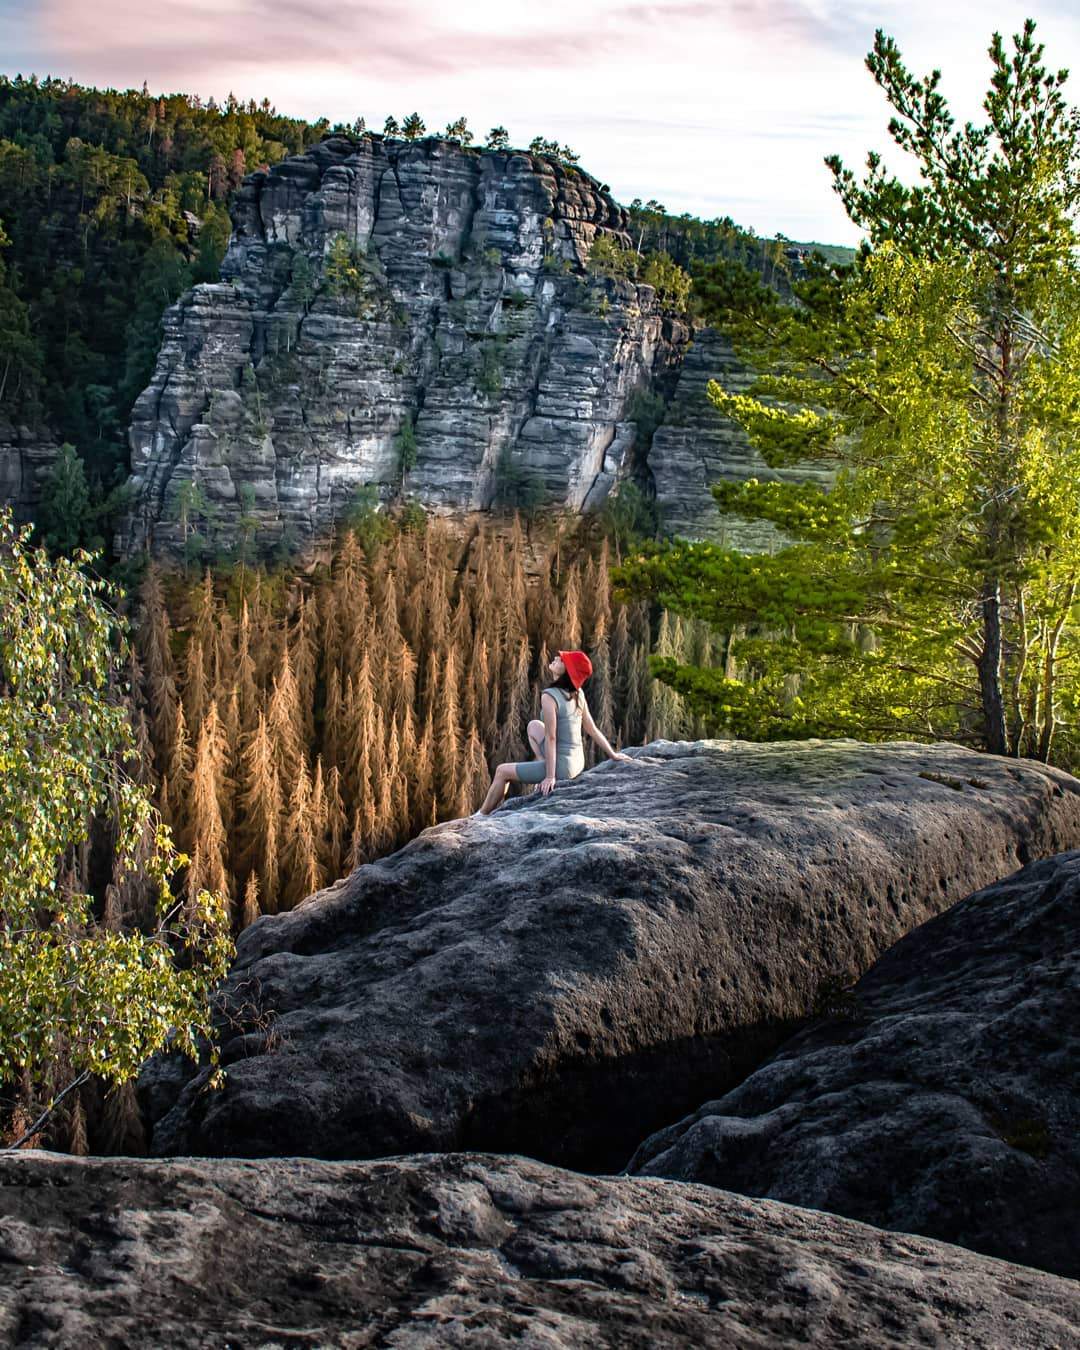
point(556, 741)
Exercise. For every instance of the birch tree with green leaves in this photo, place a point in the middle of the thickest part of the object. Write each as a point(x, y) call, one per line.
point(80, 983)
point(931, 589)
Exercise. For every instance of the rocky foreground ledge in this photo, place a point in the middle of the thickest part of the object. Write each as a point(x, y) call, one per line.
point(943, 1099)
point(469, 1250)
point(569, 975)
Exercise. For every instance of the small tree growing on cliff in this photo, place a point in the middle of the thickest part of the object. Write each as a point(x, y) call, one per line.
point(498, 138)
point(391, 128)
point(459, 132)
point(72, 986)
point(413, 127)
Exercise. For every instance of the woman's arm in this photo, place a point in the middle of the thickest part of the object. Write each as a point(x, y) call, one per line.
point(551, 732)
point(598, 736)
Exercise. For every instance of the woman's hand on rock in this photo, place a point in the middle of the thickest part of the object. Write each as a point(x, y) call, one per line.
point(546, 785)
point(626, 759)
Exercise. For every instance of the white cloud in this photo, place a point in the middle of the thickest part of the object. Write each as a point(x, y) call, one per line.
point(716, 108)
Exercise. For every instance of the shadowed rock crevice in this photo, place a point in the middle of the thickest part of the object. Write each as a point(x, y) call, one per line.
point(945, 1097)
point(556, 976)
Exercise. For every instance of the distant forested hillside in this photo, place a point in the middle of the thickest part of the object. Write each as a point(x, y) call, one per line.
point(112, 204)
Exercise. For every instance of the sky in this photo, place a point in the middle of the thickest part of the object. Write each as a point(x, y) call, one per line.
point(719, 109)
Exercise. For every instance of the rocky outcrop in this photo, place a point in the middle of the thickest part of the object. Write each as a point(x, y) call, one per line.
point(375, 290)
point(566, 976)
point(945, 1099)
point(478, 1251)
point(695, 447)
point(26, 456)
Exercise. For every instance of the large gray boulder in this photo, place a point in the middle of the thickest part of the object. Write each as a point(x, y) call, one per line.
point(467, 1250)
point(945, 1097)
point(566, 976)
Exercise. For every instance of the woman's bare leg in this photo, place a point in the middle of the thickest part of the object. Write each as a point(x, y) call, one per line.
point(505, 774)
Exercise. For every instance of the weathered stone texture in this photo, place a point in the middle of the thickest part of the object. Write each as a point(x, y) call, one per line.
point(472, 317)
point(26, 456)
point(946, 1098)
point(566, 976)
point(476, 1251)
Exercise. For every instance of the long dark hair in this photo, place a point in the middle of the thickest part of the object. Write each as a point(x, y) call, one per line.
point(565, 683)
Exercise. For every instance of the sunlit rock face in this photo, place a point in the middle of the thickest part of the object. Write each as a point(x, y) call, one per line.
point(466, 312)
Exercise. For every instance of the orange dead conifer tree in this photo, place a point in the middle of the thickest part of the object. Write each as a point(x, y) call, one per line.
point(302, 874)
point(196, 688)
point(596, 597)
point(422, 796)
point(246, 682)
point(153, 635)
point(447, 727)
point(333, 712)
point(336, 824)
point(621, 654)
point(476, 776)
point(208, 789)
point(285, 722)
point(600, 701)
point(250, 910)
point(516, 708)
point(178, 772)
point(404, 682)
point(570, 624)
point(303, 653)
point(262, 812)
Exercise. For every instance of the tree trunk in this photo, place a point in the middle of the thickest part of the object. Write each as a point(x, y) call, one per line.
point(989, 666)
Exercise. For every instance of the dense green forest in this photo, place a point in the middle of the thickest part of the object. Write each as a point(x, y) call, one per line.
point(113, 204)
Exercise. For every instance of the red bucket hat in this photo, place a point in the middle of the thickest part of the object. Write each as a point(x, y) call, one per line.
point(578, 667)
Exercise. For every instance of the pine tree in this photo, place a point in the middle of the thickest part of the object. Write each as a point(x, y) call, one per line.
point(571, 615)
point(601, 703)
point(261, 800)
point(159, 671)
point(178, 771)
point(304, 660)
point(246, 685)
point(336, 824)
point(196, 687)
point(251, 910)
point(209, 787)
point(285, 721)
point(475, 778)
point(303, 875)
point(448, 739)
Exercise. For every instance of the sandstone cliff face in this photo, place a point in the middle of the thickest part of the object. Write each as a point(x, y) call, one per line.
point(26, 456)
point(467, 314)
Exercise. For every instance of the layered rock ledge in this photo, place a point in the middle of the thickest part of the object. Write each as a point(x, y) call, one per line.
point(375, 290)
point(944, 1100)
point(572, 973)
point(478, 1251)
